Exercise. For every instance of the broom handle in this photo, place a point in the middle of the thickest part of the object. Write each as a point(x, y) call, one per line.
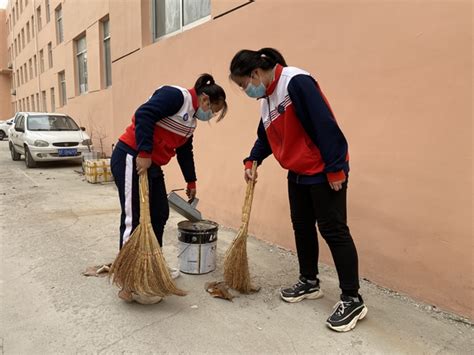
point(144, 199)
point(248, 198)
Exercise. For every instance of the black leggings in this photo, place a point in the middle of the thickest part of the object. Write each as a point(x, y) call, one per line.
point(318, 203)
point(124, 169)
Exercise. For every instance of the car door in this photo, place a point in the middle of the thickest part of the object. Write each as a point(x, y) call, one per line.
point(12, 131)
point(18, 134)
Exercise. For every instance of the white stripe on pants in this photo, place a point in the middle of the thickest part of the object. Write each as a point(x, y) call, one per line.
point(128, 198)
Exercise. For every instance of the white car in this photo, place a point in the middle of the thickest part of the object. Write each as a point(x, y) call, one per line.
point(5, 127)
point(44, 137)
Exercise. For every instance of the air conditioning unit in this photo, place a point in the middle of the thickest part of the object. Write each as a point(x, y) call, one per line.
point(10, 65)
point(13, 92)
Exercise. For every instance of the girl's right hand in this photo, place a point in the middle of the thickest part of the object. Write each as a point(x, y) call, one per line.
point(142, 165)
point(248, 175)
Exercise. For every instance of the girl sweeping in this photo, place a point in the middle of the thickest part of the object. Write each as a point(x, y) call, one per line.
point(299, 128)
point(161, 128)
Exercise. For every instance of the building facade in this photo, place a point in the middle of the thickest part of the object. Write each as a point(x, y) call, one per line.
point(398, 75)
point(6, 107)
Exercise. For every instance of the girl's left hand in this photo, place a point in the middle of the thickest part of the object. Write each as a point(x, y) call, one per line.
point(191, 193)
point(337, 185)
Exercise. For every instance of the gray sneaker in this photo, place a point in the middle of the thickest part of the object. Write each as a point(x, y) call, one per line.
point(301, 290)
point(174, 273)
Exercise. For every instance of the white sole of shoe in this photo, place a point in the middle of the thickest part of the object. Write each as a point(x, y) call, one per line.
point(349, 326)
point(174, 273)
point(308, 296)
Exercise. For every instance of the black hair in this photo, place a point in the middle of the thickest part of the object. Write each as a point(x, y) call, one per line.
point(246, 61)
point(206, 84)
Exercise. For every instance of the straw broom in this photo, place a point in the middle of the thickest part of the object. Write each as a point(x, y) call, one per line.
point(140, 265)
point(236, 266)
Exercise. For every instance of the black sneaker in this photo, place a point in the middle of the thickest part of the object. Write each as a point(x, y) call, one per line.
point(346, 313)
point(301, 290)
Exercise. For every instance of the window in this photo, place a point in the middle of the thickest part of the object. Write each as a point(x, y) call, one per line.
point(171, 16)
point(107, 57)
point(43, 101)
point(21, 121)
point(50, 55)
point(53, 100)
point(59, 24)
point(16, 48)
point(28, 38)
point(33, 108)
point(35, 64)
point(38, 17)
point(21, 6)
point(22, 38)
point(18, 81)
point(28, 108)
point(32, 26)
point(41, 61)
point(47, 9)
point(62, 88)
point(37, 102)
point(22, 77)
point(30, 62)
point(81, 57)
point(26, 73)
point(26, 3)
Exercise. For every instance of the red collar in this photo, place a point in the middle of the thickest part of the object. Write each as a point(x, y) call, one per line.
point(194, 98)
point(273, 84)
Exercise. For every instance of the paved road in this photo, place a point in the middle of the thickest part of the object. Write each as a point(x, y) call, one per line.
point(53, 225)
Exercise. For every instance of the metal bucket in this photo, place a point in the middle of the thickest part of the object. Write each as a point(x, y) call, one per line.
point(197, 242)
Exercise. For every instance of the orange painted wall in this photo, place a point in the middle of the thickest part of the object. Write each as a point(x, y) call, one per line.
point(398, 75)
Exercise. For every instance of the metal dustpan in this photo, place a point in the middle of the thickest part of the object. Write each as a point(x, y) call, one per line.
point(184, 208)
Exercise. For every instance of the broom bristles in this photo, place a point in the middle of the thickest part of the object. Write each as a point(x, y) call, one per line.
point(236, 266)
point(140, 265)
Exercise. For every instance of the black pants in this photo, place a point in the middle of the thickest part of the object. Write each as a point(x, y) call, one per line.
point(124, 169)
point(318, 203)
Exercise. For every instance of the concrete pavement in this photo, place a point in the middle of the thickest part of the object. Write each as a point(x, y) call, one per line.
point(53, 225)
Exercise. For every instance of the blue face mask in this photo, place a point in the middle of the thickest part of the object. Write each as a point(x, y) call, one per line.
point(202, 115)
point(256, 92)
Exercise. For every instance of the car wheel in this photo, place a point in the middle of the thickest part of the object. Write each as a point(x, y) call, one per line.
point(30, 163)
point(2, 135)
point(15, 156)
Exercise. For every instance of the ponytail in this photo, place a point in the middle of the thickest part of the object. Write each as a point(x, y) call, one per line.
point(203, 81)
point(206, 84)
point(246, 61)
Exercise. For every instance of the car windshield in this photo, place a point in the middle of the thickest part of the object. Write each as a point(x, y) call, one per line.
point(51, 123)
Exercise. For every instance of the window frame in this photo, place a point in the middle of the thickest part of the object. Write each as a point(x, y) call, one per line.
point(53, 99)
point(107, 64)
point(41, 59)
point(59, 24)
point(43, 101)
point(61, 85)
point(39, 22)
point(80, 55)
point(156, 38)
point(50, 55)
point(47, 9)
